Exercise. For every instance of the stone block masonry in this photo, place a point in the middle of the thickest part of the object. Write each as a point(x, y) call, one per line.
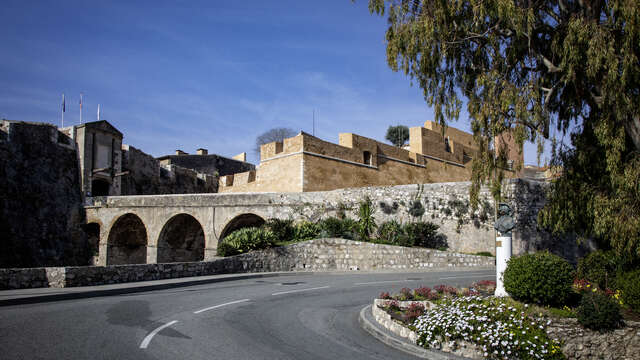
point(313, 255)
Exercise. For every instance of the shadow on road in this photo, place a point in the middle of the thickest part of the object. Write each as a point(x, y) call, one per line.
point(136, 314)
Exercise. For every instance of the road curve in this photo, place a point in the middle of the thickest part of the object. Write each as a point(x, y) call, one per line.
point(312, 316)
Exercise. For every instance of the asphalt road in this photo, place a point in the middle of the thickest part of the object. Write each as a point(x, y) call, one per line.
point(311, 316)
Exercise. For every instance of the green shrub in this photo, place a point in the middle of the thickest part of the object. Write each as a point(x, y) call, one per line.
point(306, 230)
point(629, 284)
point(282, 229)
point(425, 234)
point(246, 239)
point(540, 278)
point(226, 249)
point(392, 232)
point(337, 228)
point(366, 221)
point(598, 267)
point(416, 209)
point(598, 311)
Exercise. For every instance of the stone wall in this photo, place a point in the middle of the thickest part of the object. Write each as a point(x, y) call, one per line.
point(314, 255)
point(208, 164)
point(580, 343)
point(146, 176)
point(41, 206)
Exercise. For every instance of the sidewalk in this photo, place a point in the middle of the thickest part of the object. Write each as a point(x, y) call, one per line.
point(36, 295)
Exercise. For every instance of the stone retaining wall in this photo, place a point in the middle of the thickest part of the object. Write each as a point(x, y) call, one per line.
point(313, 255)
point(581, 343)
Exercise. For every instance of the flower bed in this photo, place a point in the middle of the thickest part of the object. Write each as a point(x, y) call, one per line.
point(471, 323)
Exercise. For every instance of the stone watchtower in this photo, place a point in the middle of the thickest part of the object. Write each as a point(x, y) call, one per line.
point(99, 151)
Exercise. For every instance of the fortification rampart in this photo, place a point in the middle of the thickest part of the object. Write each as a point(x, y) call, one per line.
point(305, 163)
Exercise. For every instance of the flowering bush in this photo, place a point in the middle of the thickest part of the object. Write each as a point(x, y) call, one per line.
point(485, 286)
point(384, 295)
point(598, 311)
point(413, 311)
point(445, 290)
point(501, 329)
point(405, 294)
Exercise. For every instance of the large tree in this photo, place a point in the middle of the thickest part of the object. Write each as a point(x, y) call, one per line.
point(271, 135)
point(397, 135)
point(528, 66)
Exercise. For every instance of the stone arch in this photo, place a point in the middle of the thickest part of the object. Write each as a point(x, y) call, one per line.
point(241, 221)
point(127, 241)
point(181, 239)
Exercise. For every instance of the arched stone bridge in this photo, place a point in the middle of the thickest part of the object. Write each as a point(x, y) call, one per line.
point(171, 228)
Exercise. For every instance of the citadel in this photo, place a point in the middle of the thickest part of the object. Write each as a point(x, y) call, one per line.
point(78, 195)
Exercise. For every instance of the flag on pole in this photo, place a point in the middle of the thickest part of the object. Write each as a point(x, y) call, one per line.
point(62, 125)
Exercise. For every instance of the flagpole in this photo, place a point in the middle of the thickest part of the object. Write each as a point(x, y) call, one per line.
point(62, 110)
point(80, 108)
point(98, 112)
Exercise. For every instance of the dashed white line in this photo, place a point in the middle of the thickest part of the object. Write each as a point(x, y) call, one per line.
point(221, 305)
point(384, 282)
point(300, 290)
point(468, 276)
point(147, 340)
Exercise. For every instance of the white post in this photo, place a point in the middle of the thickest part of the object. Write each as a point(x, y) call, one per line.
point(503, 254)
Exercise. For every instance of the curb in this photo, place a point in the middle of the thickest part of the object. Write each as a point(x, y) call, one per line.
point(119, 289)
point(376, 330)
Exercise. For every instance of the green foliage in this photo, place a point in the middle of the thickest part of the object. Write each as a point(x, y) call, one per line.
point(598, 311)
point(306, 230)
point(629, 284)
point(598, 267)
point(416, 209)
point(388, 209)
point(393, 233)
point(246, 239)
point(337, 228)
point(397, 135)
point(527, 67)
point(282, 229)
point(425, 234)
point(540, 278)
point(366, 221)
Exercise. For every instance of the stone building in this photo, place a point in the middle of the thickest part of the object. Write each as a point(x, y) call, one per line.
point(305, 163)
point(100, 154)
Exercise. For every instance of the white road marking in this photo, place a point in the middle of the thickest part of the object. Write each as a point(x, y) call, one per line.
point(221, 305)
point(463, 277)
point(295, 291)
point(384, 282)
point(147, 339)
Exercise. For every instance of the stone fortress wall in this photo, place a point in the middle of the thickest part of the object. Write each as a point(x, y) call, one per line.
point(41, 205)
point(305, 163)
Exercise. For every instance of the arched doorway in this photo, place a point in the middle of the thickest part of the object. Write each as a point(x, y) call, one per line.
point(181, 239)
point(99, 187)
point(241, 221)
point(127, 242)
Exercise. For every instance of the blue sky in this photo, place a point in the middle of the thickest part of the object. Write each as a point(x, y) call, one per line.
point(213, 74)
